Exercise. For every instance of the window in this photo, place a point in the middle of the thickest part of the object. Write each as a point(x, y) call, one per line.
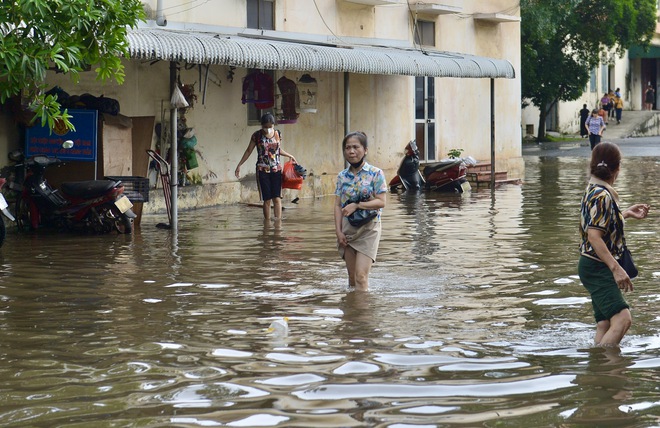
point(593, 85)
point(260, 14)
point(425, 33)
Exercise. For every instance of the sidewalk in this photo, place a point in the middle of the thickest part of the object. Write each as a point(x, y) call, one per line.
point(632, 122)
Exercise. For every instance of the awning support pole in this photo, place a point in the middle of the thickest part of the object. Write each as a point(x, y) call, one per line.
point(492, 135)
point(347, 103)
point(347, 107)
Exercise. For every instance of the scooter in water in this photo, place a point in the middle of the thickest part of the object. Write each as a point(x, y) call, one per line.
point(94, 206)
point(446, 176)
point(4, 209)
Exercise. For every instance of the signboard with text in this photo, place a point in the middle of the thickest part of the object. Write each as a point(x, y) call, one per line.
point(40, 141)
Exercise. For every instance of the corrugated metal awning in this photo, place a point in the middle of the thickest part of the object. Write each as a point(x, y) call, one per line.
point(245, 52)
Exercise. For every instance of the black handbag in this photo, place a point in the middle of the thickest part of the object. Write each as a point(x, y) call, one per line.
point(360, 217)
point(626, 260)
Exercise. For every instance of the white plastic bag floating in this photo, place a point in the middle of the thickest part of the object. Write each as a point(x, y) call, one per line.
point(178, 100)
point(279, 328)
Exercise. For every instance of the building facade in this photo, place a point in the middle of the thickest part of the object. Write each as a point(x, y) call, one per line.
point(633, 73)
point(394, 69)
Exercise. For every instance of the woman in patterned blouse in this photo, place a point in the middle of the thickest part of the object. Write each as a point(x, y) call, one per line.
point(360, 186)
point(601, 230)
point(267, 140)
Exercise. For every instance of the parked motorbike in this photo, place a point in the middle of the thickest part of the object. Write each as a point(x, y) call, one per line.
point(4, 209)
point(93, 206)
point(445, 176)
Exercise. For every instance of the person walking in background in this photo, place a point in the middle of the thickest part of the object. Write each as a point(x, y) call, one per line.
point(268, 142)
point(595, 125)
point(649, 97)
point(602, 245)
point(610, 111)
point(618, 107)
point(359, 187)
point(603, 113)
point(605, 104)
point(584, 114)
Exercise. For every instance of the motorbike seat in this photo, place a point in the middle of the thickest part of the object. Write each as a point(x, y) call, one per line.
point(440, 166)
point(87, 189)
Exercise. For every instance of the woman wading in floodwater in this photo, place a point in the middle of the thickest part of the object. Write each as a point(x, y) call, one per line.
point(602, 246)
point(359, 187)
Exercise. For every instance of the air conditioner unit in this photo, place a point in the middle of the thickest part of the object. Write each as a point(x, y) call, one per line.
point(374, 2)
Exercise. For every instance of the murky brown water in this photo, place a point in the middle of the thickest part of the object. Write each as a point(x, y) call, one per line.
point(475, 318)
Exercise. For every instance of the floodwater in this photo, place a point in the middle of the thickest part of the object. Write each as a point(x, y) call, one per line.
point(475, 317)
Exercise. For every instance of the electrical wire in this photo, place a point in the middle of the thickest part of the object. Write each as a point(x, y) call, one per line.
point(415, 29)
point(327, 26)
point(186, 10)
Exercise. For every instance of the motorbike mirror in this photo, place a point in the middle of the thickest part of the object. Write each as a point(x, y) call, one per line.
point(67, 144)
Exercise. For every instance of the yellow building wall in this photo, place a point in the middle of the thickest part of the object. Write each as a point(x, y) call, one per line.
point(381, 106)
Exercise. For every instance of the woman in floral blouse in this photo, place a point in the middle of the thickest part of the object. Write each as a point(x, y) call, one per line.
point(359, 187)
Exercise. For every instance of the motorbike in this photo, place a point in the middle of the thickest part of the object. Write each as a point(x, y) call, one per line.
point(93, 206)
point(446, 176)
point(4, 208)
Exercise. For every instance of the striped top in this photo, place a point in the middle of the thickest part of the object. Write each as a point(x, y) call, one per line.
point(598, 212)
point(594, 124)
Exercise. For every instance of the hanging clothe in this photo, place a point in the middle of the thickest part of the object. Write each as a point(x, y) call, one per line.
point(258, 89)
point(290, 100)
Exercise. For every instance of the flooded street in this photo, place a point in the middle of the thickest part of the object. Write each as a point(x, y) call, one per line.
point(476, 316)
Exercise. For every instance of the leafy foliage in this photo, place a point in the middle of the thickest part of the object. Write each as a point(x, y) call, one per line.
point(563, 40)
point(68, 36)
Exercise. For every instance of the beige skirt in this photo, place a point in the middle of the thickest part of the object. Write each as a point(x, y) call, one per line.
point(364, 239)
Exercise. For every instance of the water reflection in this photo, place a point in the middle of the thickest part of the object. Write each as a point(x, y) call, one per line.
point(475, 317)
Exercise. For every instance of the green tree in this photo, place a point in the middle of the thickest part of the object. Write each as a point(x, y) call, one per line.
point(563, 40)
point(66, 36)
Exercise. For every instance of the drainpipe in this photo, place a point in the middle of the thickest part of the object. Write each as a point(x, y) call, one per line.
point(347, 108)
point(174, 170)
point(160, 16)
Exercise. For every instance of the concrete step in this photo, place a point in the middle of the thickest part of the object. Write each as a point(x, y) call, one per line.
point(484, 176)
point(498, 183)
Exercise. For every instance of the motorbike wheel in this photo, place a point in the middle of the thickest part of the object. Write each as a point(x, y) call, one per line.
point(3, 231)
point(23, 215)
point(122, 223)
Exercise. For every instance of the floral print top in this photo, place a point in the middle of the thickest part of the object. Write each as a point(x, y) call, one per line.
point(366, 184)
point(268, 151)
point(598, 212)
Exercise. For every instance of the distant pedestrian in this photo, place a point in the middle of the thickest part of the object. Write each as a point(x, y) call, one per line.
point(618, 107)
point(612, 108)
point(649, 97)
point(595, 126)
point(605, 103)
point(603, 113)
point(584, 114)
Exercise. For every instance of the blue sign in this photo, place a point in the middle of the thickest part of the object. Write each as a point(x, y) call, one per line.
point(40, 141)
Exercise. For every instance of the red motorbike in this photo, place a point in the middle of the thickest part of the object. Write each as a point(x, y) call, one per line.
point(94, 206)
point(445, 176)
